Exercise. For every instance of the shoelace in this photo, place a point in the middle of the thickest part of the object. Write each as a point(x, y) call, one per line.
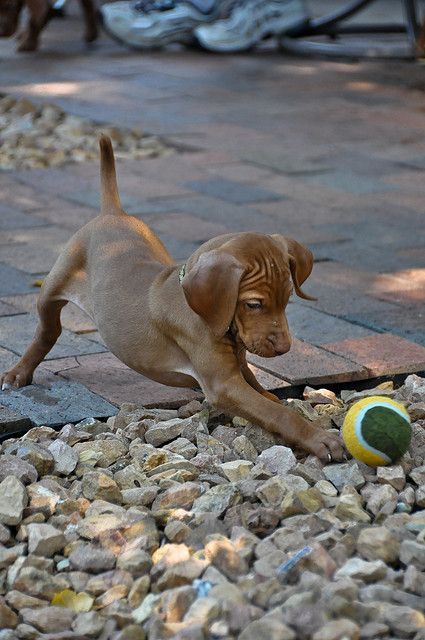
point(148, 6)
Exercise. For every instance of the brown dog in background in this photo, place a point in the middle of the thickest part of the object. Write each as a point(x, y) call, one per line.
point(40, 12)
point(182, 325)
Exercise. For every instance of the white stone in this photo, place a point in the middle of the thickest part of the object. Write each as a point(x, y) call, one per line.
point(13, 500)
point(278, 459)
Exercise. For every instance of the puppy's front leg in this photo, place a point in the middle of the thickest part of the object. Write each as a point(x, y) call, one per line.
point(253, 382)
point(235, 396)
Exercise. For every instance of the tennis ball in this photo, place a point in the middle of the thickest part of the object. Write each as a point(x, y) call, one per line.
point(377, 431)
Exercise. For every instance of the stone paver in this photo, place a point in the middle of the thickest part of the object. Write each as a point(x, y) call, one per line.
point(329, 153)
point(53, 401)
point(11, 420)
point(382, 354)
point(14, 219)
point(33, 250)
point(106, 376)
point(310, 325)
point(16, 333)
point(232, 191)
point(72, 317)
point(14, 281)
point(305, 363)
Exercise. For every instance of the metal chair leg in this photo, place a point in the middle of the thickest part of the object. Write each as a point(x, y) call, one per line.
point(296, 41)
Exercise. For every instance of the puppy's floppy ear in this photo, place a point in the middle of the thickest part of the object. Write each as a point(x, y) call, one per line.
point(211, 288)
point(300, 262)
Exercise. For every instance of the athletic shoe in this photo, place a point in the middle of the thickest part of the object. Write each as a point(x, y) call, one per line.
point(249, 22)
point(155, 23)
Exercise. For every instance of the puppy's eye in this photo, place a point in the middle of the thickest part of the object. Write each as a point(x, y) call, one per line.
point(254, 304)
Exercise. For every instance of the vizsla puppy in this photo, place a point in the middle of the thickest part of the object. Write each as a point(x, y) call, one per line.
point(182, 325)
point(40, 12)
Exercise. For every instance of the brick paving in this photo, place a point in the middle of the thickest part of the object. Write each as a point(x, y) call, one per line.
point(331, 153)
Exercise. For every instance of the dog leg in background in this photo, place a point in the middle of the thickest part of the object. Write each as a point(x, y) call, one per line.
point(40, 14)
point(91, 31)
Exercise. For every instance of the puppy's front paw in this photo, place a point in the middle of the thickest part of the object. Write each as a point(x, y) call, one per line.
point(326, 446)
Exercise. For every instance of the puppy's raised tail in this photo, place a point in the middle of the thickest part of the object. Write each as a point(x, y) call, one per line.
point(110, 199)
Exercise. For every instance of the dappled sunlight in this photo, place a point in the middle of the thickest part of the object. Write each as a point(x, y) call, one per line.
point(362, 86)
point(407, 285)
point(170, 554)
point(49, 88)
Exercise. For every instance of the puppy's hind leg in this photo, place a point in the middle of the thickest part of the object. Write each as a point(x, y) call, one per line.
point(48, 331)
point(54, 295)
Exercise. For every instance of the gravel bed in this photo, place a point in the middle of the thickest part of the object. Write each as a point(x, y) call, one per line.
point(188, 525)
point(36, 136)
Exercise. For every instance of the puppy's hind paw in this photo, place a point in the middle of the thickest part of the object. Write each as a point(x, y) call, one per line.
point(14, 380)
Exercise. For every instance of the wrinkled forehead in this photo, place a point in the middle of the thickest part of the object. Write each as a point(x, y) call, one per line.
point(266, 273)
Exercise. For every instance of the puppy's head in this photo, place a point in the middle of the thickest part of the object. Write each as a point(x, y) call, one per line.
point(245, 285)
point(9, 17)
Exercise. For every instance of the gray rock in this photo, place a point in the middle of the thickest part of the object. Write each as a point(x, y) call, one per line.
point(420, 496)
point(103, 453)
point(378, 543)
point(136, 561)
point(91, 559)
point(45, 540)
point(413, 389)
point(34, 453)
point(13, 466)
point(412, 552)
point(393, 475)
point(225, 557)
point(48, 619)
point(97, 485)
point(8, 618)
point(4, 534)
point(402, 621)
point(89, 624)
point(217, 499)
point(13, 500)
point(414, 580)
point(362, 570)
point(267, 629)
point(277, 459)
point(140, 496)
point(180, 496)
point(164, 432)
point(383, 500)
point(183, 447)
point(260, 438)
point(418, 475)
point(65, 457)
point(236, 470)
point(341, 629)
point(372, 630)
point(344, 474)
point(244, 448)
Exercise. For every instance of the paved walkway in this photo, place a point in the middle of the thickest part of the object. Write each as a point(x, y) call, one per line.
point(330, 153)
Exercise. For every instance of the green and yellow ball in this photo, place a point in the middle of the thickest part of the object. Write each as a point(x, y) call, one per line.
point(377, 431)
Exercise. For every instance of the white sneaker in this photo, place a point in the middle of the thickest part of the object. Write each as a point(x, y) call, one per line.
point(155, 23)
point(249, 22)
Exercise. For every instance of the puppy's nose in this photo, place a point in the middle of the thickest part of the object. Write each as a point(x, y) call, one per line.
point(281, 343)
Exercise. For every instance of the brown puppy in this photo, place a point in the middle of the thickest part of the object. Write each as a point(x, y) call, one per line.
point(40, 12)
point(182, 325)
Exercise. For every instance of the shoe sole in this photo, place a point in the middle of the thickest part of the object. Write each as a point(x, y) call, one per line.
point(274, 27)
point(180, 33)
